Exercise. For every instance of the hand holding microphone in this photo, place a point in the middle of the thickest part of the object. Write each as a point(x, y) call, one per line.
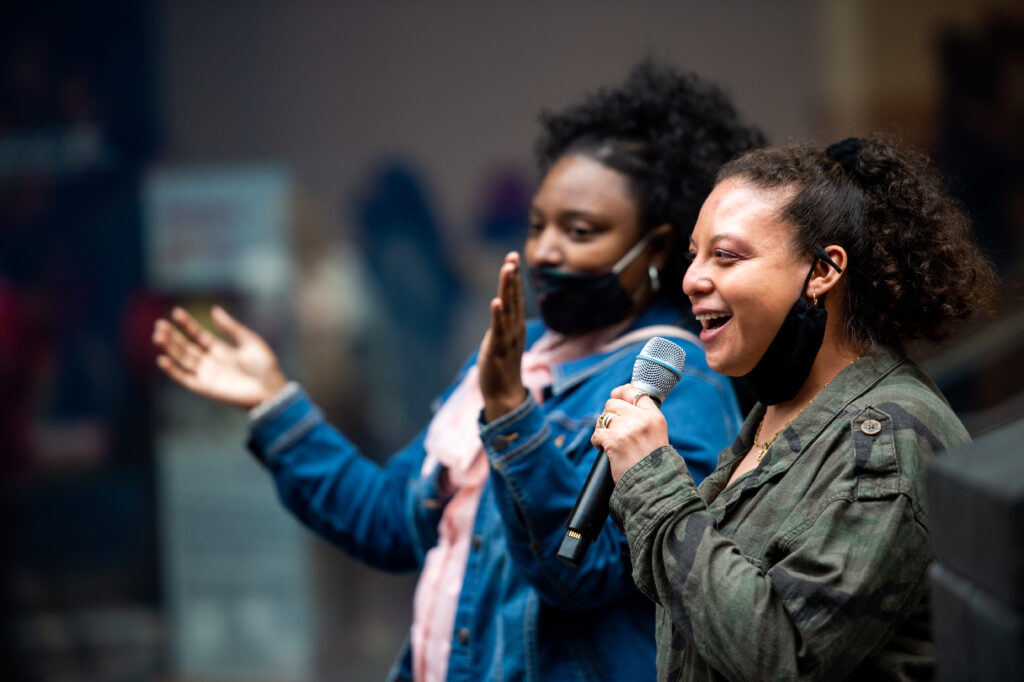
point(655, 371)
point(639, 428)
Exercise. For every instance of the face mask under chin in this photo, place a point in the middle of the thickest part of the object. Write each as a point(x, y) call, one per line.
point(577, 303)
point(787, 362)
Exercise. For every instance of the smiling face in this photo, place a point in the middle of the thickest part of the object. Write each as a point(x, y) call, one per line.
point(744, 276)
point(584, 218)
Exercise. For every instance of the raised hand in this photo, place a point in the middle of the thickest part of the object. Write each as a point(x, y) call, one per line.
point(243, 373)
point(501, 351)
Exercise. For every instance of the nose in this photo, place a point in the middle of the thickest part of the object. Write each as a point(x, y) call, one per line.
point(544, 247)
point(696, 280)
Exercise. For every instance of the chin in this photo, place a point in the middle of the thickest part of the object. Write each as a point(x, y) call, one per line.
point(719, 367)
point(729, 366)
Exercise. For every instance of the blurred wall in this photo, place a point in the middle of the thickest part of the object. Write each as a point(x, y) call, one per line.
point(455, 86)
point(882, 69)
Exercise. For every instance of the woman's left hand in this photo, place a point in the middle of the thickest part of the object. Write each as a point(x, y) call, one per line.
point(629, 432)
point(501, 352)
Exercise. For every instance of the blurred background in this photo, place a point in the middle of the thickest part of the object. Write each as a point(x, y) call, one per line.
point(345, 178)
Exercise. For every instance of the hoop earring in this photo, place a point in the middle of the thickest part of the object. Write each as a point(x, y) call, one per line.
point(652, 274)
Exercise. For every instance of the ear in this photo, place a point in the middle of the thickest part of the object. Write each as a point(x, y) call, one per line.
point(663, 240)
point(825, 277)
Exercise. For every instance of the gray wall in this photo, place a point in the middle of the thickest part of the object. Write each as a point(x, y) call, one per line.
point(327, 87)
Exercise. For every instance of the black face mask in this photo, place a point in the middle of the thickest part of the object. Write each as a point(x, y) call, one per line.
point(576, 303)
point(784, 367)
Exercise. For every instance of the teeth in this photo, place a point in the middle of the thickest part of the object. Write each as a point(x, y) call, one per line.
point(711, 316)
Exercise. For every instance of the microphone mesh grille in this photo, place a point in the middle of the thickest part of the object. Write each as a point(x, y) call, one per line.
point(649, 369)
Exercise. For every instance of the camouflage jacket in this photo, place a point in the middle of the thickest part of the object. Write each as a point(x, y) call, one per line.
point(813, 565)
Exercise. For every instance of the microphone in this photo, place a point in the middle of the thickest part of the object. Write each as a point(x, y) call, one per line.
point(655, 371)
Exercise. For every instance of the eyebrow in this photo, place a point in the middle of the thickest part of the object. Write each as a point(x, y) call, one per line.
point(721, 235)
point(569, 214)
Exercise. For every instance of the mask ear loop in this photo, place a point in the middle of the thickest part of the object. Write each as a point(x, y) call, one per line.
point(820, 255)
point(631, 255)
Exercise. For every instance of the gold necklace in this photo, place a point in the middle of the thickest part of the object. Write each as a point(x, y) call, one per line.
point(771, 441)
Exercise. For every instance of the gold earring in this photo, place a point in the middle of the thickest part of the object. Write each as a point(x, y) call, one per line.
point(814, 295)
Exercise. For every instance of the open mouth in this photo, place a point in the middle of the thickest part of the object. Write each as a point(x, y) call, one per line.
point(712, 321)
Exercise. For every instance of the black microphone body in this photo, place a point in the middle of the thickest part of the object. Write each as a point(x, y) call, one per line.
point(655, 371)
point(590, 511)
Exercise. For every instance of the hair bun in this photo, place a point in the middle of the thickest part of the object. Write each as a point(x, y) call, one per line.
point(846, 151)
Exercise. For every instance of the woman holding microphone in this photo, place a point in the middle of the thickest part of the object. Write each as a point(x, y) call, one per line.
point(804, 554)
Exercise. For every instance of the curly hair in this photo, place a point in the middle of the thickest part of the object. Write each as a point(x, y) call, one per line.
point(668, 132)
point(914, 269)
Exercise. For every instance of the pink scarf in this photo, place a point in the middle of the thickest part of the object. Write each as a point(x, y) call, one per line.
point(453, 440)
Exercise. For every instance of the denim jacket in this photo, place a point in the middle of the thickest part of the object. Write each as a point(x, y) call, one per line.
point(521, 614)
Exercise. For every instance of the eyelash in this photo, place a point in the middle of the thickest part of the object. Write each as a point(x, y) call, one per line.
point(577, 232)
point(717, 253)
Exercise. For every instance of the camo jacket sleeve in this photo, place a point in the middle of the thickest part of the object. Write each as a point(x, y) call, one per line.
point(811, 566)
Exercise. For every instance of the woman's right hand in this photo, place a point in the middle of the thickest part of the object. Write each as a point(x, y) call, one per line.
point(630, 428)
point(243, 373)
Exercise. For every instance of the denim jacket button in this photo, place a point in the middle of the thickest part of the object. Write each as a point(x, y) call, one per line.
point(500, 443)
point(463, 636)
point(477, 542)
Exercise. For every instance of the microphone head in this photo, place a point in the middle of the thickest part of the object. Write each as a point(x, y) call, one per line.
point(658, 367)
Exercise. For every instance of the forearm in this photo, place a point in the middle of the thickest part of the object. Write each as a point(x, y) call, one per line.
point(323, 479)
point(535, 486)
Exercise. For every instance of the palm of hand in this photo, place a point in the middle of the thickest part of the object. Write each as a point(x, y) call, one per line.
point(500, 365)
point(501, 351)
point(235, 374)
point(242, 373)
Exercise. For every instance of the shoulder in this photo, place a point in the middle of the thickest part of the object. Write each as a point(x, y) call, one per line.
point(909, 404)
point(889, 433)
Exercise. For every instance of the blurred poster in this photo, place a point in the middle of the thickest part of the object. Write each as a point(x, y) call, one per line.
point(218, 229)
point(236, 566)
